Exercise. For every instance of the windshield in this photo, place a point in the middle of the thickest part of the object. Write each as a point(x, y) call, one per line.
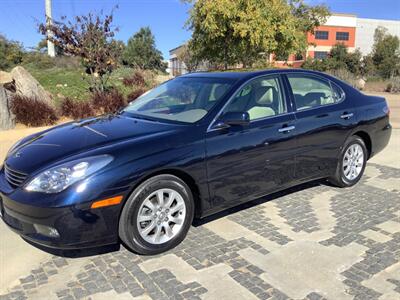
point(182, 99)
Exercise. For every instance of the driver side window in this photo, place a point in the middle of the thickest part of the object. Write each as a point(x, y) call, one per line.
point(261, 98)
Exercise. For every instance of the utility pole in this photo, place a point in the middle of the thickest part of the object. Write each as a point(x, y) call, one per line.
point(50, 46)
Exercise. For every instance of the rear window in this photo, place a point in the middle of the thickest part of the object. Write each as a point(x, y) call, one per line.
point(310, 92)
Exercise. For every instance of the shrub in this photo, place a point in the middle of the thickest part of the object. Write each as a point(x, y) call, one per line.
point(11, 53)
point(32, 112)
point(135, 94)
point(262, 63)
point(315, 64)
point(348, 77)
point(108, 102)
point(67, 62)
point(39, 60)
point(394, 85)
point(76, 109)
point(137, 79)
point(376, 84)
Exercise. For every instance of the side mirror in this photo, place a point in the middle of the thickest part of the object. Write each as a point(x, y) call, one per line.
point(234, 119)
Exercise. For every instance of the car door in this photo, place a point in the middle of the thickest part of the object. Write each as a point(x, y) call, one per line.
point(246, 162)
point(324, 118)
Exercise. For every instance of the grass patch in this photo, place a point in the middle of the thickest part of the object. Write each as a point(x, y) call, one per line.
point(62, 82)
point(73, 83)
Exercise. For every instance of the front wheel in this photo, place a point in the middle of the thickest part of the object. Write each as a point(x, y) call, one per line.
point(351, 164)
point(157, 216)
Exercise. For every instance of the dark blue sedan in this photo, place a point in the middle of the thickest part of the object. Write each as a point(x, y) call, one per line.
point(191, 147)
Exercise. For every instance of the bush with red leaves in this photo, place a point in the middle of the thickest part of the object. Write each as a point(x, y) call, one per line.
point(108, 102)
point(137, 79)
point(135, 94)
point(31, 112)
point(76, 109)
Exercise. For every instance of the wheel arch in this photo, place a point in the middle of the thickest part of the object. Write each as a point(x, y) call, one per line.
point(367, 140)
point(187, 178)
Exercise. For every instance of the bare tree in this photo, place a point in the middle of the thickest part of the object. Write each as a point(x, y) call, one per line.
point(90, 37)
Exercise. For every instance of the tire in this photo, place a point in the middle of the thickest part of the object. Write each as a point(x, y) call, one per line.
point(342, 177)
point(164, 225)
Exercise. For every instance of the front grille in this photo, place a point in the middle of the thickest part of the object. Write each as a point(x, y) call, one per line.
point(14, 178)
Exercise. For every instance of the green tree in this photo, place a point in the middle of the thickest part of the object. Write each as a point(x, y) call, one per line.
point(141, 52)
point(229, 32)
point(90, 37)
point(386, 53)
point(308, 17)
point(341, 58)
point(368, 67)
point(11, 53)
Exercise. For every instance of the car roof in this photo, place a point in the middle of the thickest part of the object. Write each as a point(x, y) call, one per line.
point(246, 75)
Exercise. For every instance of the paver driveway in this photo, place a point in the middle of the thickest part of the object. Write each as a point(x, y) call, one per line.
point(312, 242)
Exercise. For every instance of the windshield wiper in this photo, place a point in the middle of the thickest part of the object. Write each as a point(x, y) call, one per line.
point(141, 117)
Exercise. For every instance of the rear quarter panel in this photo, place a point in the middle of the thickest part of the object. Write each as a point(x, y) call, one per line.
point(373, 118)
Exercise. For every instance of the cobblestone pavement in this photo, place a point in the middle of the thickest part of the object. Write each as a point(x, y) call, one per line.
point(314, 242)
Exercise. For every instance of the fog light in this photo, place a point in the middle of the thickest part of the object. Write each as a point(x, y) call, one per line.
point(46, 230)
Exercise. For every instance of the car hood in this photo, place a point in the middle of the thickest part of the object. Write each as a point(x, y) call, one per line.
point(76, 137)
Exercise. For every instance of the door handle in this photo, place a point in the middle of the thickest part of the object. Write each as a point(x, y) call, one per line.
point(286, 129)
point(346, 116)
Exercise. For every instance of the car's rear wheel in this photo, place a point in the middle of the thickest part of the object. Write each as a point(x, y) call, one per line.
point(351, 164)
point(157, 216)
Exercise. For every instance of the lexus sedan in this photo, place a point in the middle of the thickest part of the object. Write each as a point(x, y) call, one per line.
point(189, 148)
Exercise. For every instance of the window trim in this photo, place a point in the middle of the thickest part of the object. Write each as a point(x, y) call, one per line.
point(284, 95)
point(330, 82)
point(327, 35)
point(341, 32)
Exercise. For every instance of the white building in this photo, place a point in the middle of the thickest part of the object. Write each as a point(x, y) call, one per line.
point(365, 32)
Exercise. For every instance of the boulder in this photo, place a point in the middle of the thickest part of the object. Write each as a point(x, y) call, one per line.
point(7, 119)
point(5, 78)
point(28, 86)
point(360, 83)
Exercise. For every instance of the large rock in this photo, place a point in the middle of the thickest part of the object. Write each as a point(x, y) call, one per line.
point(360, 83)
point(5, 78)
point(28, 86)
point(7, 119)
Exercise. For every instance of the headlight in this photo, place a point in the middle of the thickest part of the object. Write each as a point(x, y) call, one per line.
point(58, 178)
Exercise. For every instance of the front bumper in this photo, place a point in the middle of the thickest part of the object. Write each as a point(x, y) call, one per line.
point(76, 228)
point(71, 225)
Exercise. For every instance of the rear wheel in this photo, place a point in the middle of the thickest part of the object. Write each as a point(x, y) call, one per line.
point(351, 164)
point(157, 216)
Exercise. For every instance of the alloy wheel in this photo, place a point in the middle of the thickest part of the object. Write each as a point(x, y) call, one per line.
point(161, 216)
point(353, 161)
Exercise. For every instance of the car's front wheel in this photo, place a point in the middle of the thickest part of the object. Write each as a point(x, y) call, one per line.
point(157, 216)
point(351, 164)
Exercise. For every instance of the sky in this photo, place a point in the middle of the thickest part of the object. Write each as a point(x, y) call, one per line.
point(166, 18)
